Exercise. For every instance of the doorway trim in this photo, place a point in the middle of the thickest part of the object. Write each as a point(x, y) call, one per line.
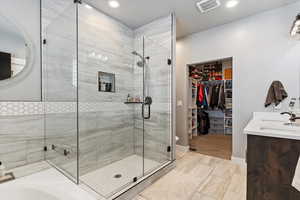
point(234, 94)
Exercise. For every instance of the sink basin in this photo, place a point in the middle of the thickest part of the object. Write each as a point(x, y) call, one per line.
point(287, 126)
point(273, 125)
point(277, 129)
point(292, 124)
point(273, 120)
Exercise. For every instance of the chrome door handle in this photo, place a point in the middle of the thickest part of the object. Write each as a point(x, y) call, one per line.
point(149, 111)
point(147, 102)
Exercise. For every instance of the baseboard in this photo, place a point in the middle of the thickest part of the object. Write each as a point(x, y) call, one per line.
point(183, 149)
point(240, 161)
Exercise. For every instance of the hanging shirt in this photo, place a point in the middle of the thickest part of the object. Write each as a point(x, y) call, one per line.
point(200, 94)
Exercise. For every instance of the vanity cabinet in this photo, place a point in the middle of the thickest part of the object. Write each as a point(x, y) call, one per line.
point(271, 164)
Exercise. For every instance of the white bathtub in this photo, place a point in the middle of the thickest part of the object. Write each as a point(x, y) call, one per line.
point(46, 185)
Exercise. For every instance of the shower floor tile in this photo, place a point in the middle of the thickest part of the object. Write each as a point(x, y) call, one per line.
point(104, 181)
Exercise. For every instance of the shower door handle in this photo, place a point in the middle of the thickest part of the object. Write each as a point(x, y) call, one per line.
point(149, 111)
point(147, 102)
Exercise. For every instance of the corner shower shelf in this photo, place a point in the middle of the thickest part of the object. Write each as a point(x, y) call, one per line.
point(133, 102)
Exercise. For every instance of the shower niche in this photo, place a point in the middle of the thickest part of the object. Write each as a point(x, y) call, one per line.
point(106, 82)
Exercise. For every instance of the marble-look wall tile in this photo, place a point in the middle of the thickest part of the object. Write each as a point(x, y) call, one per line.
point(157, 130)
point(105, 123)
point(21, 137)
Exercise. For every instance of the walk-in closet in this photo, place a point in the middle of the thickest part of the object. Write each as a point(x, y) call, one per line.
point(210, 108)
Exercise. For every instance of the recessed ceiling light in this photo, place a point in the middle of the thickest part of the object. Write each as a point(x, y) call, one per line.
point(88, 6)
point(232, 3)
point(113, 3)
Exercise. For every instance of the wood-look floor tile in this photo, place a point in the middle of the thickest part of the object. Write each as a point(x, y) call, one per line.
point(179, 155)
point(217, 145)
point(178, 184)
point(215, 187)
point(237, 188)
point(225, 169)
point(200, 177)
point(139, 198)
point(199, 196)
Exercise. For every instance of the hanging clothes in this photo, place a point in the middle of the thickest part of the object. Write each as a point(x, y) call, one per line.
point(221, 98)
point(203, 122)
point(215, 96)
point(211, 95)
point(200, 93)
point(202, 97)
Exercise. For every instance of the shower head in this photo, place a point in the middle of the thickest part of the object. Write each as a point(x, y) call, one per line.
point(137, 54)
point(142, 61)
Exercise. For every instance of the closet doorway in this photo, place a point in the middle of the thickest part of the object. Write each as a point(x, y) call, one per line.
point(210, 107)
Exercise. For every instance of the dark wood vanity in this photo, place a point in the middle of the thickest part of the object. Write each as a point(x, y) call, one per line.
point(271, 164)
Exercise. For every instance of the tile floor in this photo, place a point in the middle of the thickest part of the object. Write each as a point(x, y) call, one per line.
point(199, 177)
point(128, 168)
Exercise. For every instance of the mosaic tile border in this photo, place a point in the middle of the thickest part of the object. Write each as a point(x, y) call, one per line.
point(40, 108)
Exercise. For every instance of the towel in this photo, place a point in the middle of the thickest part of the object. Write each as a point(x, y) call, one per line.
point(276, 94)
point(296, 180)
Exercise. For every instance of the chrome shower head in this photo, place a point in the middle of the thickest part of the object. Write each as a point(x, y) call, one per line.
point(137, 54)
point(142, 61)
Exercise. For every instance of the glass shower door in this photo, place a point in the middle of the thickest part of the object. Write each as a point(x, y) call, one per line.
point(157, 104)
point(110, 156)
point(60, 84)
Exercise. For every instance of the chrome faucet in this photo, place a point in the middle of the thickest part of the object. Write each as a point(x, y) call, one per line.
point(293, 117)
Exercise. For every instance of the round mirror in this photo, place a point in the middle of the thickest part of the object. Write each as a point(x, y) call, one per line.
point(14, 50)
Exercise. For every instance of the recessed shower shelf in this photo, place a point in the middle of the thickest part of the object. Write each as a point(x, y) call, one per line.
point(133, 102)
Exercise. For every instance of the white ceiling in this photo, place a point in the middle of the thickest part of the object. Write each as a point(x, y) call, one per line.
point(135, 13)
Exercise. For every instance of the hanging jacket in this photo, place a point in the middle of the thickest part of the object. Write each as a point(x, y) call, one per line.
point(200, 93)
point(221, 98)
point(215, 96)
point(209, 95)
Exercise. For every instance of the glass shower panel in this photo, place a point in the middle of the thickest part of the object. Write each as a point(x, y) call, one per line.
point(59, 21)
point(157, 120)
point(108, 160)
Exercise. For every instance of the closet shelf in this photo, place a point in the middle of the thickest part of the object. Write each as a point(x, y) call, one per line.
point(191, 129)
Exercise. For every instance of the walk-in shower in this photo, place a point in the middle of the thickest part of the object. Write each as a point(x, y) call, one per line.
point(94, 134)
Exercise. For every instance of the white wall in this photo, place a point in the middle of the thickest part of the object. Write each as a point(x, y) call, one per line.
point(262, 51)
point(27, 15)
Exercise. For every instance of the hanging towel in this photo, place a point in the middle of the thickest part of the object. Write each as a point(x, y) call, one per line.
point(276, 94)
point(296, 180)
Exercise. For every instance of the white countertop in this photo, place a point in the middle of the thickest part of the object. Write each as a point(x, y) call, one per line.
point(272, 125)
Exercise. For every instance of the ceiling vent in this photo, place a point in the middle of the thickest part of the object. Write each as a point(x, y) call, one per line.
point(208, 5)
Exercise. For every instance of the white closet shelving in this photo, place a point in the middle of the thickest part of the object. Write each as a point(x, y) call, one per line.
point(192, 109)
